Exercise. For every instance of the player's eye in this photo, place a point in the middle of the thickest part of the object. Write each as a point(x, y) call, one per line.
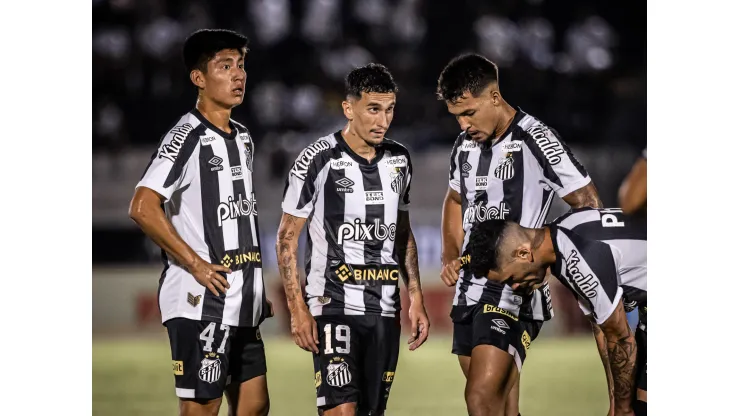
point(227, 66)
point(373, 110)
point(389, 110)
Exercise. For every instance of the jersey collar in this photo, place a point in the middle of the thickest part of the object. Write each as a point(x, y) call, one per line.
point(218, 131)
point(379, 150)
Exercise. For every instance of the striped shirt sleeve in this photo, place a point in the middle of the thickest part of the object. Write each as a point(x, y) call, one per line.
point(454, 176)
point(170, 168)
point(303, 180)
point(405, 203)
point(559, 169)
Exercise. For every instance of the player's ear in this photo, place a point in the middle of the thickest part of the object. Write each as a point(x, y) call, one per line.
point(198, 78)
point(348, 110)
point(524, 253)
point(494, 94)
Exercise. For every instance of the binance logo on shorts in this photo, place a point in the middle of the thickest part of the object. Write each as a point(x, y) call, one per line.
point(343, 272)
point(226, 261)
point(177, 367)
point(388, 376)
point(194, 300)
point(495, 309)
point(525, 340)
point(317, 379)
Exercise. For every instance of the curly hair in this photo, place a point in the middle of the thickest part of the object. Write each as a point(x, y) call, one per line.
point(483, 246)
point(469, 72)
point(369, 78)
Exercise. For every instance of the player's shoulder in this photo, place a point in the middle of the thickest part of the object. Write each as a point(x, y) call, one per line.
point(532, 129)
point(396, 148)
point(183, 134)
point(317, 152)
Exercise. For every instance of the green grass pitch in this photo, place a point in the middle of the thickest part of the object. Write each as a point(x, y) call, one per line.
point(560, 377)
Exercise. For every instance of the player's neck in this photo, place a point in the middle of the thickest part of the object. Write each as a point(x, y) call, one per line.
point(546, 250)
point(505, 121)
point(357, 144)
point(215, 114)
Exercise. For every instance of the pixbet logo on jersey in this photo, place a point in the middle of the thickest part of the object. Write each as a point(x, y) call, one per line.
point(480, 212)
point(358, 231)
point(170, 150)
point(586, 283)
point(300, 167)
point(236, 208)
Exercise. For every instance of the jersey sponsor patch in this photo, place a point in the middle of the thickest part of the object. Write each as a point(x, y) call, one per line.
point(396, 161)
point(341, 164)
point(480, 212)
point(177, 368)
point(215, 163)
point(236, 173)
point(468, 145)
point(495, 309)
point(481, 183)
point(344, 185)
point(359, 231)
point(526, 341)
point(466, 167)
point(206, 140)
point(170, 150)
point(587, 284)
point(317, 379)
point(194, 300)
point(233, 209)
point(548, 144)
point(300, 167)
point(374, 198)
point(513, 146)
point(245, 137)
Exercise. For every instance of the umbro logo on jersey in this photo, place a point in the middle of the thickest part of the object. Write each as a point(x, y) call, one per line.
point(500, 325)
point(466, 167)
point(170, 150)
point(216, 162)
point(344, 185)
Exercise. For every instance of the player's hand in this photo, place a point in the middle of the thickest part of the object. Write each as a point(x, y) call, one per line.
point(209, 276)
point(419, 325)
point(270, 309)
point(450, 272)
point(304, 331)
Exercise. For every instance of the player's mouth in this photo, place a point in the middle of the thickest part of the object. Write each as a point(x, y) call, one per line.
point(238, 91)
point(378, 132)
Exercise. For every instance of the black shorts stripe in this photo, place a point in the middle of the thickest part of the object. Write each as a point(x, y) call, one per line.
point(213, 306)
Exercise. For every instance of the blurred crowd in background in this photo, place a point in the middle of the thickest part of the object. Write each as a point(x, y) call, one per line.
point(577, 65)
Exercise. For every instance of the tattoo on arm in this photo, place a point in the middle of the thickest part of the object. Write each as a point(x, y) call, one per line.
point(622, 348)
point(287, 254)
point(408, 259)
point(584, 197)
point(604, 353)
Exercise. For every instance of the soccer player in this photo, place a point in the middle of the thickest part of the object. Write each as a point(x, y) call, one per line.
point(506, 164)
point(633, 191)
point(196, 201)
point(352, 187)
point(601, 256)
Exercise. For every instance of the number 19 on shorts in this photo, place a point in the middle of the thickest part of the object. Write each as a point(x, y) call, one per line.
point(341, 340)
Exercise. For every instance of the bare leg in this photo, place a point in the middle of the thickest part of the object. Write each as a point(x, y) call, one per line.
point(249, 398)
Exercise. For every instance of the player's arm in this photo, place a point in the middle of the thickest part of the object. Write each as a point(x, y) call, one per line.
point(146, 210)
point(633, 191)
point(452, 228)
point(622, 351)
point(302, 325)
point(408, 262)
point(604, 354)
point(584, 197)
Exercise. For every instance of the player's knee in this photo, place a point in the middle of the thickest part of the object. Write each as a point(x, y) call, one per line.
point(196, 407)
point(483, 401)
point(344, 409)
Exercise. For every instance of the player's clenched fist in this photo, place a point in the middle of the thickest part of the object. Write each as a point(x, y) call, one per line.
point(208, 275)
point(304, 331)
point(450, 272)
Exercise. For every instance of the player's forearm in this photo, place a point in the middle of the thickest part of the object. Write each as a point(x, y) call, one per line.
point(287, 255)
point(154, 223)
point(622, 349)
point(584, 197)
point(604, 354)
point(452, 230)
point(633, 191)
point(409, 264)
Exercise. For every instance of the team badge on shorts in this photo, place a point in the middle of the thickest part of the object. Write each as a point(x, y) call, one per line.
point(210, 369)
point(337, 373)
point(505, 168)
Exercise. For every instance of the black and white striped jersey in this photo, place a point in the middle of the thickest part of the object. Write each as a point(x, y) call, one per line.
point(352, 208)
point(205, 176)
point(601, 257)
point(514, 179)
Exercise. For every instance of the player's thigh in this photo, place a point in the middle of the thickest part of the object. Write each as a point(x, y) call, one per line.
point(641, 370)
point(200, 359)
point(381, 341)
point(338, 365)
point(488, 380)
point(247, 393)
point(199, 407)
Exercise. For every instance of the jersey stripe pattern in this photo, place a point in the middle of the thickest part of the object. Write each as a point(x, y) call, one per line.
point(351, 206)
point(626, 238)
point(514, 179)
point(205, 177)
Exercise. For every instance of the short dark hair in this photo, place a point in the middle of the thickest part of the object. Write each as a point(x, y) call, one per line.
point(483, 246)
point(202, 45)
point(469, 72)
point(369, 78)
